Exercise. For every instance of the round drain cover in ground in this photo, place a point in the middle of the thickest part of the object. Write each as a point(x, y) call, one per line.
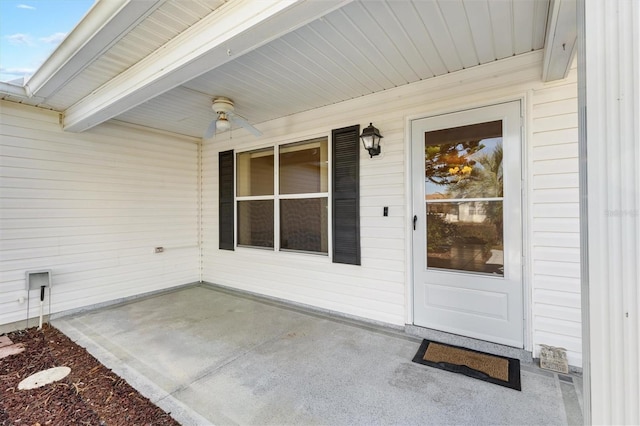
point(44, 377)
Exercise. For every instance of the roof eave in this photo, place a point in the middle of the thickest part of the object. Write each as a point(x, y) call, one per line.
point(7, 88)
point(102, 26)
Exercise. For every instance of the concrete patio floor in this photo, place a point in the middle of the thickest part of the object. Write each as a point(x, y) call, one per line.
point(213, 356)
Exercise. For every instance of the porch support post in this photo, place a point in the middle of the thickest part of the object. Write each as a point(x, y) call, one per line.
point(609, 92)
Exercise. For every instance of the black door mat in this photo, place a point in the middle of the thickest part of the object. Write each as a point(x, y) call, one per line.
point(490, 368)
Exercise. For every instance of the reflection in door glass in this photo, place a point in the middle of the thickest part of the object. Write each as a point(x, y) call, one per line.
point(463, 198)
point(465, 236)
point(464, 162)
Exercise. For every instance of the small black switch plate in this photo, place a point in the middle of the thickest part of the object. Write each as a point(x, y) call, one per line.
point(385, 211)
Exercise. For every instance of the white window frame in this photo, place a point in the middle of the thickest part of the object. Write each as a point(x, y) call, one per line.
point(276, 197)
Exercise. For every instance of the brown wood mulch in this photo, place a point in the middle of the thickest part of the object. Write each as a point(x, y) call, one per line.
point(90, 395)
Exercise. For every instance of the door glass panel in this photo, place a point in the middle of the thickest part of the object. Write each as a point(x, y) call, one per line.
point(465, 236)
point(464, 162)
point(463, 198)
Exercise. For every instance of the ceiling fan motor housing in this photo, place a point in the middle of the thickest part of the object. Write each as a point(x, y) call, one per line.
point(222, 105)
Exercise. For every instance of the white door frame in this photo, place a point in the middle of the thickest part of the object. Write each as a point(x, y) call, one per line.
point(525, 98)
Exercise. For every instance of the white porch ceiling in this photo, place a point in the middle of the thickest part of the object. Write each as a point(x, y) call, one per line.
point(361, 48)
point(289, 56)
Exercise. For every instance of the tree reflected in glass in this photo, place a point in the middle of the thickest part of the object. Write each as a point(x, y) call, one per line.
point(464, 190)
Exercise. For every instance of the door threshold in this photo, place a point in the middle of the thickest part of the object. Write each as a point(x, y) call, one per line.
point(470, 343)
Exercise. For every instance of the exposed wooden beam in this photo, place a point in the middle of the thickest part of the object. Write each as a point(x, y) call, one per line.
point(232, 30)
point(105, 24)
point(560, 42)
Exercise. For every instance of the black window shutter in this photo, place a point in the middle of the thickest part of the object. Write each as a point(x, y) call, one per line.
point(225, 200)
point(346, 195)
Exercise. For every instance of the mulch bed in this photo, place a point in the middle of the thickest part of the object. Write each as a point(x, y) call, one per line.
point(90, 395)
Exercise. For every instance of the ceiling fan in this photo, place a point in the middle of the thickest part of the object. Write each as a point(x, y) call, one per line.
point(223, 107)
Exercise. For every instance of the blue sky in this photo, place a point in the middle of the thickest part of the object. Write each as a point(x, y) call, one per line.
point(30, 30)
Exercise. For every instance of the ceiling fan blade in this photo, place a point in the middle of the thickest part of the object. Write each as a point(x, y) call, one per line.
point(211, 130)
point(242, 122)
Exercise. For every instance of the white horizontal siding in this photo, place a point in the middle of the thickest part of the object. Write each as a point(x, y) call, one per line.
point(555, 233)
point(92, 207)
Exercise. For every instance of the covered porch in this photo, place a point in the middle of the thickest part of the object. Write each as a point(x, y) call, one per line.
point(113, 182)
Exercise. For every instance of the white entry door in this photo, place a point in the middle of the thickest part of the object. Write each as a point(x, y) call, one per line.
point(467, 237)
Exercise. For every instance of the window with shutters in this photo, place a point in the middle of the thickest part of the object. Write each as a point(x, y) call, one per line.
point(282, 197)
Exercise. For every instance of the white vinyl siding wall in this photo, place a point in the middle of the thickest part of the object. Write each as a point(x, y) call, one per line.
point(91, 207)
point(555, 227)
point(380, 289)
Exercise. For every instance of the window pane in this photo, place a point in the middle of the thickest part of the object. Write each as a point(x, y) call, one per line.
point(303, 225)
point(303, 167)
point(464, 162)
point(465, 236)
point(255, 223)
point(255, 173)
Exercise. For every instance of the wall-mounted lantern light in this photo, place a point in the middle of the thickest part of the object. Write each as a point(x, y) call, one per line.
point(371, 139)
